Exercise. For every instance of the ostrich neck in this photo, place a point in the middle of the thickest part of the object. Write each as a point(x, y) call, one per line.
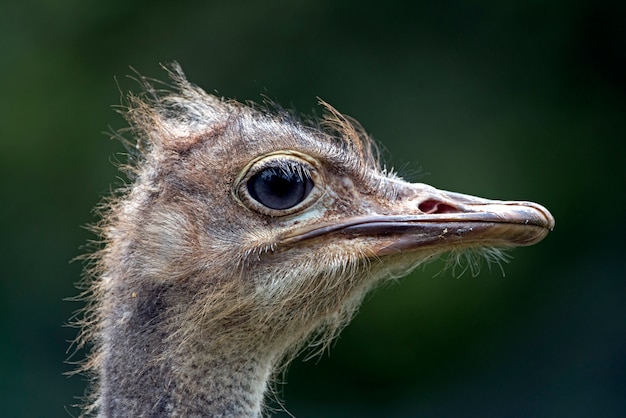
point(149, 369)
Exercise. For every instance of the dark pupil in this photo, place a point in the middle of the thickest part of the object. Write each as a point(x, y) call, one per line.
point(279, 189)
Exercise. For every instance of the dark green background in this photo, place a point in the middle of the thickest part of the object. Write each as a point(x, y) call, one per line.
point(503, 99)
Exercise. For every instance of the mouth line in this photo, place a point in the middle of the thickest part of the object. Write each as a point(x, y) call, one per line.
point(525, 228)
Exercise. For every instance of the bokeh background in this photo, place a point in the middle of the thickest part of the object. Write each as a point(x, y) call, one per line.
point(503, 99)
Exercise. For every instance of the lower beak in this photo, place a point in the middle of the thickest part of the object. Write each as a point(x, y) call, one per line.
point(439, 219)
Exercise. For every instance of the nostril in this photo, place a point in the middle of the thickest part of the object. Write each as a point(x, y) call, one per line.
point(432, 206)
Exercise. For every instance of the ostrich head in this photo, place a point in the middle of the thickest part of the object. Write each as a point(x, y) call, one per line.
point(244, 234)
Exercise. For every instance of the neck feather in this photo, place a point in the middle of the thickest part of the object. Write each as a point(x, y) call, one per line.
point(150, 368)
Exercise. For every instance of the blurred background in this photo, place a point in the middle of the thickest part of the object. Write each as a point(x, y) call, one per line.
point(511, 100)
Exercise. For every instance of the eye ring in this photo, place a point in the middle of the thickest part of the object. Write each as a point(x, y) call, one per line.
point(279, 184)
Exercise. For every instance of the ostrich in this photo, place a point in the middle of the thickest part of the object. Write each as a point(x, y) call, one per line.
point(245, 234)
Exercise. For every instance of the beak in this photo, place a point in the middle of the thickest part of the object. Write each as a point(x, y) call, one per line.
point(430, 218)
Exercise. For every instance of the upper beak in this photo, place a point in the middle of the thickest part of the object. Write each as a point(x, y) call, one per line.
point(428, 217)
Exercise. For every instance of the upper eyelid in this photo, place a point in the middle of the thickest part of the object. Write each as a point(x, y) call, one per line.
point(263, 160)
point(286, 165)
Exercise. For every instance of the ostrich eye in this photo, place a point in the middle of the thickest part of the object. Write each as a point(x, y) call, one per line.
point(280, 188)
point(280, 183)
